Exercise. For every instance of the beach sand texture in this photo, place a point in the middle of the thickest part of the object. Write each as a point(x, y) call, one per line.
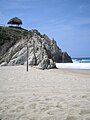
point(57, 94)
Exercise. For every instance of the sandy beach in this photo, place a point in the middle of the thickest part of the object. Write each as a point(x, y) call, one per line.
point(56, 94)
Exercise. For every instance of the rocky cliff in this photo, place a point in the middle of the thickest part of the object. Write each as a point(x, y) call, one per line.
point(41, 50)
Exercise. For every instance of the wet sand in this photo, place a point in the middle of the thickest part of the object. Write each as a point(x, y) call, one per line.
point(57, 94)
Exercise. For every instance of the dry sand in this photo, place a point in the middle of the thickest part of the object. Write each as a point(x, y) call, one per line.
point(58, 94)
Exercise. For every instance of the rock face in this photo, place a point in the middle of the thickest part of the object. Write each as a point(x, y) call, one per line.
point(46, 63)
point(41, 50)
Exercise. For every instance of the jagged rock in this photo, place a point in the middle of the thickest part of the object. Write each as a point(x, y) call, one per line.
point(3, 64)
point(46, 63)
point(65, 57)
point(41, 50)
point(52, 64)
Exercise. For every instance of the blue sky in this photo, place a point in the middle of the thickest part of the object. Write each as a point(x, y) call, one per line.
point(67, 21)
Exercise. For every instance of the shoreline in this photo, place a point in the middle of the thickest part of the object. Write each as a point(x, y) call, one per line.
point(81, 66)
point(67, 70)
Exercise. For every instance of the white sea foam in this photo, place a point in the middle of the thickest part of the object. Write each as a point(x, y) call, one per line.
point(73, 65)
point(81, 60)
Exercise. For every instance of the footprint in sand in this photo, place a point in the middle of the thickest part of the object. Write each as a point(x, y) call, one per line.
point(26, 118)
point(84, 112)
point(58, 105)
point(87, 118)
point(19, 108)
point(76, 105)
point(71, 118)
point(48, 118)
point(54, 111)
point(84, 96)
point(32, 106)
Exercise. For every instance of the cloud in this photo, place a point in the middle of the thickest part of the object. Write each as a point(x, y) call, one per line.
point(83, 6)
point(1, 15)
point(59, 24)
point(2, 19)
point(79, 21)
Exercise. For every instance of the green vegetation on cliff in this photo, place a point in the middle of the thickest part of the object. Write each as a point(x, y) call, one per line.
point(8, 34)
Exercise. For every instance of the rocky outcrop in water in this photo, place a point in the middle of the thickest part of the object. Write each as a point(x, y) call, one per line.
point(41, 50)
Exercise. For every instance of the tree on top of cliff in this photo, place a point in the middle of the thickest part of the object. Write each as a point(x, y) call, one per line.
point(15, 21)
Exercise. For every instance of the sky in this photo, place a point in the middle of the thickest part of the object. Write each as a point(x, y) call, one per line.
point(67, 21)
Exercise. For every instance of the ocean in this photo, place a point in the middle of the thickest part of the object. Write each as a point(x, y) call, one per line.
point(78, 63)
point(81, 60)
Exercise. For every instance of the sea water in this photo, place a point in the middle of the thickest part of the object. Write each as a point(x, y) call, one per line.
point(81, 60)
point(78, 63)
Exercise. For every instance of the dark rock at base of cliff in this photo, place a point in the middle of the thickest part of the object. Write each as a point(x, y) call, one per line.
point(66, 58)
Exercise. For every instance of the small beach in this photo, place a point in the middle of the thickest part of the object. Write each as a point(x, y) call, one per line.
point(55, 94)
